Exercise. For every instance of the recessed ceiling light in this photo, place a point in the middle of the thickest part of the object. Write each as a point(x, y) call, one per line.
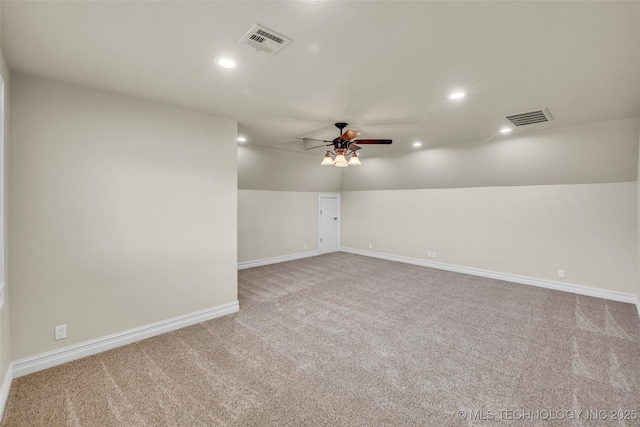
point(457, 95)
point(242, 139)
point(226, 63)
point(417, 144)
point(505, 130)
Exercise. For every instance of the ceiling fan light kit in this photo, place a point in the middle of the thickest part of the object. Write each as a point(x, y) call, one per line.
point(344, 145)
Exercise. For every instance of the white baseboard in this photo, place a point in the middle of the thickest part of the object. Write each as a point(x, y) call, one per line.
point(543, 283)
point(276, 259)
point(67, 354)
point(6, 387)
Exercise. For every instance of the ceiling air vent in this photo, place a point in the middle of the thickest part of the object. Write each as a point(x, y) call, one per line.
point(530, 117)
point(264, 39)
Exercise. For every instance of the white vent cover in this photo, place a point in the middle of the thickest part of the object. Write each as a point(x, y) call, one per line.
point(530, 117)
point(262, 38)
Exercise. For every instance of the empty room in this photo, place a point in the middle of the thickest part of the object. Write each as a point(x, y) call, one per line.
point(319, 213)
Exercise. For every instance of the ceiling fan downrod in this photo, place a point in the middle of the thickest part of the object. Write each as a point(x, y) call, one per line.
point(341, 125)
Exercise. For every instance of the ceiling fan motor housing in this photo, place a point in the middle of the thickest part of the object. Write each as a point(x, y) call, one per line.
point(340, 144)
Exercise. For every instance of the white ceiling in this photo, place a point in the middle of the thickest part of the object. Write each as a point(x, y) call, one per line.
point(384, 67)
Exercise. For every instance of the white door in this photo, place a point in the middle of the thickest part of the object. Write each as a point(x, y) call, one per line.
point(329, 223)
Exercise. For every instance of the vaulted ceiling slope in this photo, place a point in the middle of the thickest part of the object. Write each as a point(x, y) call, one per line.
point(384, 67)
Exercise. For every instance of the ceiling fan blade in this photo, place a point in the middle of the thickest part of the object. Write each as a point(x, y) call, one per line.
point(313, 139)
point(353, 146)
point(373, 141)
point(350, 134)
point(317, 146)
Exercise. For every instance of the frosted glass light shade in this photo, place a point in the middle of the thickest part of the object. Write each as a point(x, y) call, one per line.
point(354, 161)
point(327, 161)
point(341, 161)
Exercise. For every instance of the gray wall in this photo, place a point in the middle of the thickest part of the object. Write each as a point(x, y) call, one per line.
point(278, 201)
point(588, 230)
point(5, 329)
point(122, 213)
point(526, 205)
point(276, 223)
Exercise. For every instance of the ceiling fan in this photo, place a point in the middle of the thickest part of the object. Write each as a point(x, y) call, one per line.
point(345, 145)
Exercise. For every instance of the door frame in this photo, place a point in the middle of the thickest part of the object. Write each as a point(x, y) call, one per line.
point(329, 196)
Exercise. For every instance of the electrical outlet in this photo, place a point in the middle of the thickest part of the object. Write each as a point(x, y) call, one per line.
point(433, 254)
point(370, 245)
point(429, 254)
point(561, 274)
point(305, 246)
point(60, 332)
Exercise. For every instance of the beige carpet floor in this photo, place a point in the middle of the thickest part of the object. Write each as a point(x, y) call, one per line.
point(370, 343)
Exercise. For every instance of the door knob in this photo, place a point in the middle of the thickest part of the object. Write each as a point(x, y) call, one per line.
point(335, 218)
